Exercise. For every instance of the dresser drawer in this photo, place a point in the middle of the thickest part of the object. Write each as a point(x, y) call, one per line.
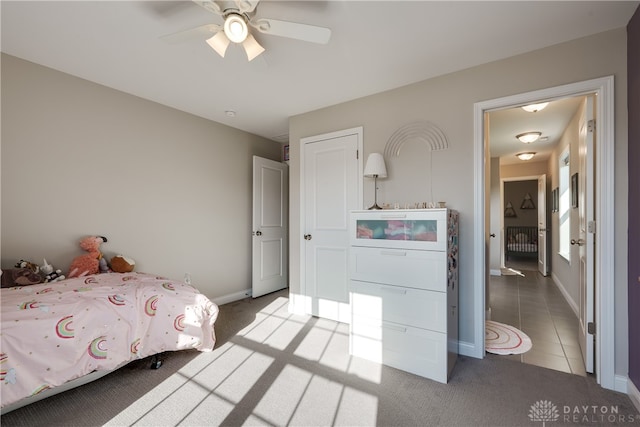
point(410, 268)
point(414, 350)
point(406, 306)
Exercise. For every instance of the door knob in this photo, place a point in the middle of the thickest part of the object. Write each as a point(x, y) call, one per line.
point(307, 237)
point(258, 233)
point(492, 234)
point(578, 242)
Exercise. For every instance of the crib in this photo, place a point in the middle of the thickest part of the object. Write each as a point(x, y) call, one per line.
point(521, 241)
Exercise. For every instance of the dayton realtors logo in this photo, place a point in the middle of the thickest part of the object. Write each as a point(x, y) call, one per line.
point(545, 411)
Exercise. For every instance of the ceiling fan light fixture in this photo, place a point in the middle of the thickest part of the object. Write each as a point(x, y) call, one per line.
point(252, 47)
point(219, 43)
point(235, 28)
point(525, 156)
point(534, 108)
point(528, 137)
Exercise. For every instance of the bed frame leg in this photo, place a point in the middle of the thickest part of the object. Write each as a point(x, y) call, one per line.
point(155, 362)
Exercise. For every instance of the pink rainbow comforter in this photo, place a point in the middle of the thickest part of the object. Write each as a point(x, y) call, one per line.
point(56, 332)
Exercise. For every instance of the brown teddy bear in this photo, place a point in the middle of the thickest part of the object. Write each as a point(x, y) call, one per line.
point(122, 264)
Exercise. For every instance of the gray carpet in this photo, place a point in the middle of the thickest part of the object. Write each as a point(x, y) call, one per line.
point(273, 368)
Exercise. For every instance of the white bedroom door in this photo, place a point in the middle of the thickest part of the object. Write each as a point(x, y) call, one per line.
point(331, 190)
point(585, 240)
point(543, 264)
point(269, 235)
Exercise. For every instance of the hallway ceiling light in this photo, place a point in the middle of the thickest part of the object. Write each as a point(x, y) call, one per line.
point(528, 137)
point(534, 108)
point(526, 156)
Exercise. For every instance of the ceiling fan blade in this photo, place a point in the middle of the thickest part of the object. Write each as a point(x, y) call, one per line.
point(246, 6)
point(202, 32)
point(294, 30)
point(252, 47)
point(210, 5)
point(219, 43)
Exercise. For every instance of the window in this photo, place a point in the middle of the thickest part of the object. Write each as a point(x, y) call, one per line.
point(564, 206)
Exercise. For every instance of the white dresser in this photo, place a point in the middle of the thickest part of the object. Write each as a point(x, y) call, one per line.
point(404, 289)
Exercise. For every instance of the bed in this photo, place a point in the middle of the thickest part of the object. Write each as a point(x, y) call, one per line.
point(521, 241)
point(59, 334)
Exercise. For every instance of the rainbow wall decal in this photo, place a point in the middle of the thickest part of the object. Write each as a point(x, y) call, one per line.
point(64, 327)
point(168, 286)
point(97, 348)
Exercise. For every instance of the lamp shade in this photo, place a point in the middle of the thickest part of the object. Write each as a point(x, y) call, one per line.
point(219, 43)
point(375, 166)
point(252, 47)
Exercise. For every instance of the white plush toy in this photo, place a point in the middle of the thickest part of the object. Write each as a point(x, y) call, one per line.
point(50, 275)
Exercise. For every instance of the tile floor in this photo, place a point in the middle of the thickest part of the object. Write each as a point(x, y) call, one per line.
point(534, 304)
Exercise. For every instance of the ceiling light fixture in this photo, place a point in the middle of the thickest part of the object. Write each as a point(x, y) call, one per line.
point(235, 30)
point(528, 137)
point(534, 108)
point(526, 156)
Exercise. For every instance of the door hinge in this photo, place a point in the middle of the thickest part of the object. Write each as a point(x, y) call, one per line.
point(591, 125)
point(591, 328)
point(357, 154)
point(591, 227)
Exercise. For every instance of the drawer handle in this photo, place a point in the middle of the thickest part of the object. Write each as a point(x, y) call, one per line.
point(393, 290)
point(394, 327)
point(393, 253)
point(393, 216)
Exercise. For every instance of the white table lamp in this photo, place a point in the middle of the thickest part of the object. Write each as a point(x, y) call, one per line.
point(375, 168)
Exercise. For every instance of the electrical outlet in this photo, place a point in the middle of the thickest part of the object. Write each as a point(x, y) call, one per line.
point(187, 278)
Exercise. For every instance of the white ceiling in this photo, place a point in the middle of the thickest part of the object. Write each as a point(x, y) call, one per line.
point(375, 46)
point(552, 121)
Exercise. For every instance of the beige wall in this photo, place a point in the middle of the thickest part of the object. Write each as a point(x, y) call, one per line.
point(567, 273)
point(448, 101)
point(170, 190)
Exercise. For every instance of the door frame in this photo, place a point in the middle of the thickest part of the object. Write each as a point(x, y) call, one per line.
point(503, 249)
point(604, 276)
point(301, 305)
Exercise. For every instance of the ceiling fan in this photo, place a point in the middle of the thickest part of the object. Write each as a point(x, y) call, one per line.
point(239, 16)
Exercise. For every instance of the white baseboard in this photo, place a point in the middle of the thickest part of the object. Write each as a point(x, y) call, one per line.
point(633, 393)
point(495, 272)
point(620, 383)
point(226, 299)
point(565, 294)
point(468, 349)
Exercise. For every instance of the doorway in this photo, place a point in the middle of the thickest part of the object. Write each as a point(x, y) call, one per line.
point(604, 203)
point(524, 295)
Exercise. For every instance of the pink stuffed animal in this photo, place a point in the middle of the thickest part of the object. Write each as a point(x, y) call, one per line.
point(88, 263)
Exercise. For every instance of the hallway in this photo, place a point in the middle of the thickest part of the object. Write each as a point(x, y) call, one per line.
point(535, 305)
